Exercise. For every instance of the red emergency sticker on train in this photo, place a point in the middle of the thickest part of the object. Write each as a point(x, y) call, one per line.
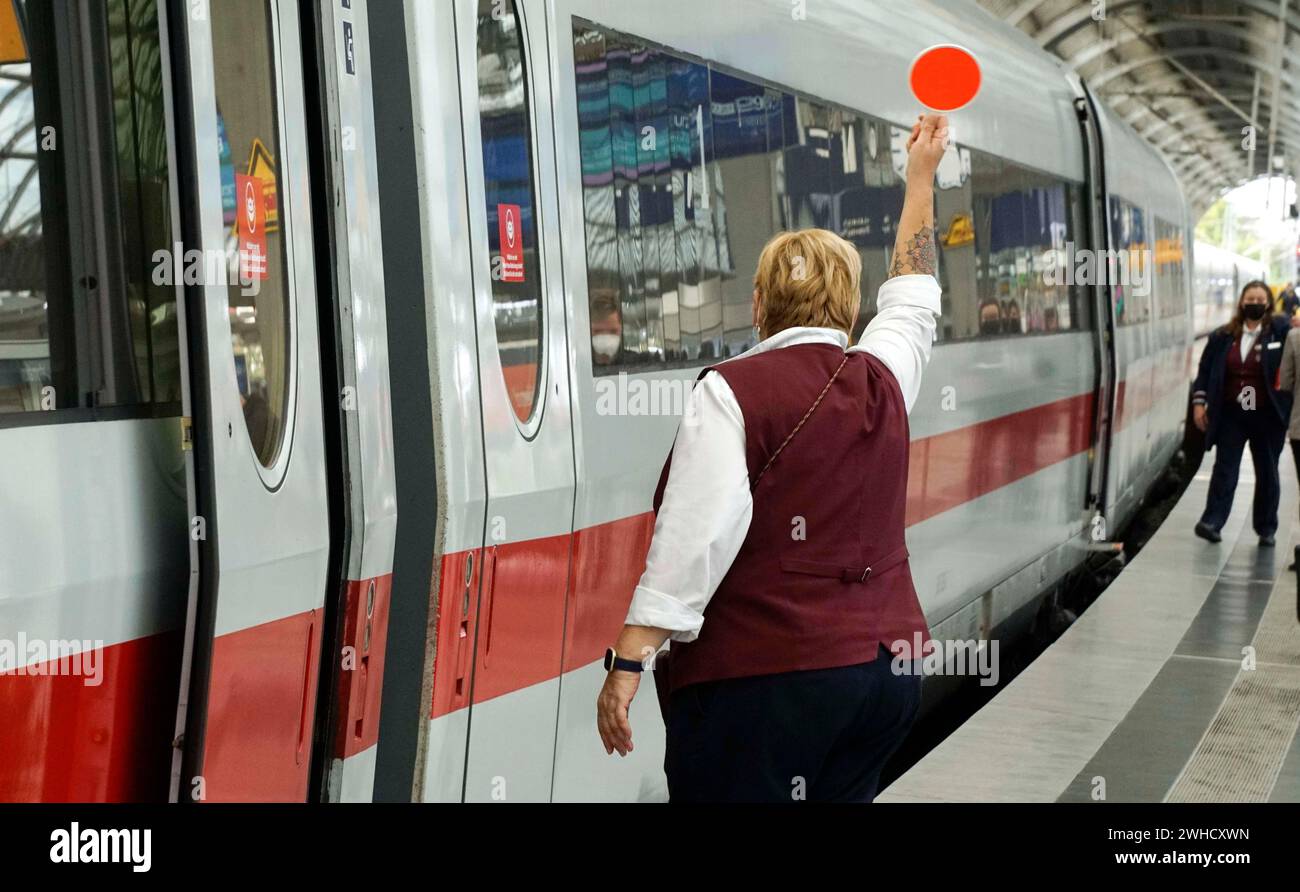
point(510, 230)
point(250, 222)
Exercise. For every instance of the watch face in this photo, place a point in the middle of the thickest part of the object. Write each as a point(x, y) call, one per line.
point(609, 659)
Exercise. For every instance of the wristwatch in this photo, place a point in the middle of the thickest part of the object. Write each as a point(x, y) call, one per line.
point(614, 661)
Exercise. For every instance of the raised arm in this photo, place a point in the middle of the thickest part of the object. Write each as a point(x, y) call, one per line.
point(914, 251)
point(902, 332)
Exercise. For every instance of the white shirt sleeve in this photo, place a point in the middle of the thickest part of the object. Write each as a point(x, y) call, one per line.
point(704, 516)
point(902, 333)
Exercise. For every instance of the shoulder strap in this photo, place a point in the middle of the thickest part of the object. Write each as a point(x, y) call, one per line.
point(811, 409)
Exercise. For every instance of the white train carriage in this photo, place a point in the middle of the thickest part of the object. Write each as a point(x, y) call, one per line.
point(372, 522)
point(1219, 277)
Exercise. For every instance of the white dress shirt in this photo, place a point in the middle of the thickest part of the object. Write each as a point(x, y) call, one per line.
point(1248, 337)
point(707, 506)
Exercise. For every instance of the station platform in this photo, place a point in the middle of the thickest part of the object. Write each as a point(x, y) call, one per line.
point(1145, 697)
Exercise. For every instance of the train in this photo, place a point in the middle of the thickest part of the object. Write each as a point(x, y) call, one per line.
point(341, 345)
point(1220, 276)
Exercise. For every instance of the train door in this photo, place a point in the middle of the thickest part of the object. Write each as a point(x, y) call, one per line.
point(1104, 327)
point(259, 511)
point(523, 376)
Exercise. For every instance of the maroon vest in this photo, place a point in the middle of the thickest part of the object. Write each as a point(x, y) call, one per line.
point(1241, 375)
point(822, 578)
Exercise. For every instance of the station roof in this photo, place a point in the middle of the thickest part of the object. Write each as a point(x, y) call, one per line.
point(1189, 75)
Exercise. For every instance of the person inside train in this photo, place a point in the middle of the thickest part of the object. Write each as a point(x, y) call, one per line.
point(1237, 403)
point(990, 317)
point(778, 564)
point(606, 328)
point(1011, 317)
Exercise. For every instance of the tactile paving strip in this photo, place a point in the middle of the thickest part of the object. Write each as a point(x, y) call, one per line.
point(1239, 757)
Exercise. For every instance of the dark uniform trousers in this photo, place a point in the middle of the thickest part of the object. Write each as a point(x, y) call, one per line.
point(819, 735)
point(1265, 435)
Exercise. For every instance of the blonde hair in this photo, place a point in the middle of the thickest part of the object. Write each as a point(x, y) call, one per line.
point(810, 277)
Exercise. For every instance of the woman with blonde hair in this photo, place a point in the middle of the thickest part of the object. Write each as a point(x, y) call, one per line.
point(778, 565)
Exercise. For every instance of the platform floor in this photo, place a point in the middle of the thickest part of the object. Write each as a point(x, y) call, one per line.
point(1147, 692)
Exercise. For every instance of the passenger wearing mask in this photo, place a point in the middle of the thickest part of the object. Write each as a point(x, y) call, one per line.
point(991, 318)
point(1236, 402)
point(606, 329)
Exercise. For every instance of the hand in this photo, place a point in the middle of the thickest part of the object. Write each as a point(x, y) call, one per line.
point(1200, 417)
point(925, 147)
point(611, 711)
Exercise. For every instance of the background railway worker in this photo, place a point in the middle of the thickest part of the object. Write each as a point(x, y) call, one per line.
point(1288, 300)
point(1236, 403)
point(777, 564)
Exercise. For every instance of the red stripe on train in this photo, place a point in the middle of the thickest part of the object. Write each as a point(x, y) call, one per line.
point(66, 741)
point(525, 582)
point(261, 709)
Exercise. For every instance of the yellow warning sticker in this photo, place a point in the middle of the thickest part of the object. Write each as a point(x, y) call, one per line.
point(261, 164)
point(13, 48)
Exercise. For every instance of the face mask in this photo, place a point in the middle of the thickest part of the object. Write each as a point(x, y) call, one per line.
point(605, 345)
point(1253, 312)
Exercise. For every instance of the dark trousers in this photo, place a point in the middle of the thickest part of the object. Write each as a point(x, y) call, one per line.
point(821, 735)
point(1261, 430)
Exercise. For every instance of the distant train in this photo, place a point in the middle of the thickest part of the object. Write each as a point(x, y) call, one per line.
point(331, 413)
point(1219, 277)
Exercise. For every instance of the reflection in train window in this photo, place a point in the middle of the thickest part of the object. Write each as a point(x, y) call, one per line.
point(83, 322)
point(1171, 269)
point(514, 261)
point(1131, 284)
point(248, 123)
point(688, 170)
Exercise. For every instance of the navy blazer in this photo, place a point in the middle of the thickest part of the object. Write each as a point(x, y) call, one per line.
point(1208, 389)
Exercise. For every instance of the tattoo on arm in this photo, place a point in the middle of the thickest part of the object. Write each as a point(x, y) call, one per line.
point(918, 257)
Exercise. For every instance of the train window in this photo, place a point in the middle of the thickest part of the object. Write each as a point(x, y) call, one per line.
point(954, 206)
point(84, 320)
point(511, 201)
point(674, 230)
point(1026, 225)
point(1171, 269)
point(248, 122)
point(1131, 286)
point(867, 195)
point(746, 118)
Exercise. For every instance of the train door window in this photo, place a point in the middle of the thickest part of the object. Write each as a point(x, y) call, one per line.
point(514, 258)
point(87, 314)
point(243, 41)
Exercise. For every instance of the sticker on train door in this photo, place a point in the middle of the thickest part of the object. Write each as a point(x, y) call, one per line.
point(251, 223)
point(510, 230)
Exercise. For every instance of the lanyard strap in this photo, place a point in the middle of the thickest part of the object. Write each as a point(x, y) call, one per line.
point(811, 409)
